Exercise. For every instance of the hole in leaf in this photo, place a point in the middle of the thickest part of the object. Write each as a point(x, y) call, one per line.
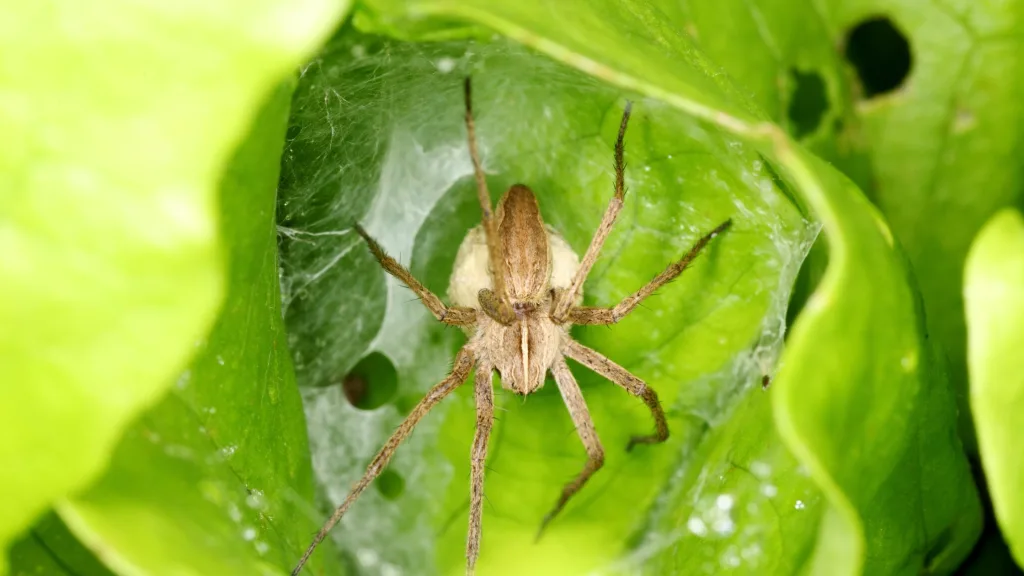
point(372, 383)
point(390, 484)
point(881, 55)
point(808, 104)
point(405, 404)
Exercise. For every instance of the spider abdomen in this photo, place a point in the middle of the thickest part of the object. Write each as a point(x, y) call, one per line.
point(472, 270)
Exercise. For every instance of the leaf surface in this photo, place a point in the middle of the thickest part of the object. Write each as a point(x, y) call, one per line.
point(214, 479)
point(717, 328)
point(993, 284)
point(861, 407)
point(120, 117)
point(938, 143)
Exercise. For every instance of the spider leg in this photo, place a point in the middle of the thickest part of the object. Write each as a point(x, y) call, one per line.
point(453, 315)
point(503, 310)
point(560, 308)
point(588, 435)
point(599, 315)
point(484, 393)
point(598, 363)
point(463, 364)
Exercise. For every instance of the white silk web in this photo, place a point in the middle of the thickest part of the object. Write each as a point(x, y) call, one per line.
point(377, 137)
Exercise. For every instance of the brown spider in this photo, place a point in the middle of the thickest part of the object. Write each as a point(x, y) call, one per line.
point(517, 316)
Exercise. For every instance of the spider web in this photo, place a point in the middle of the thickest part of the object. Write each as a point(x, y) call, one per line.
point(377, 137)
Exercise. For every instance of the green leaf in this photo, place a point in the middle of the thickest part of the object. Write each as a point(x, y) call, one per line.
point(738, 476)
point(213, 479)
point(938, 144)
point(207, 481)
point(405, 172)
point(788, 62)
point(875, 423)
point(860, 402)
point(119, 118)
point(783, 53)
point(49, 548)
point(993, 284)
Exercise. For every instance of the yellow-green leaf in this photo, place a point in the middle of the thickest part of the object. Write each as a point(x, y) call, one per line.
point(994, 301)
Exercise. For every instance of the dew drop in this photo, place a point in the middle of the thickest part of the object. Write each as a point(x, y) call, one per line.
point(723, 526)
point(445, 65)
point(696, 526)
point(256, 500)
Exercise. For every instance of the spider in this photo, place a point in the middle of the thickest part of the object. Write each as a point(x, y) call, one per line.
point(517, 317)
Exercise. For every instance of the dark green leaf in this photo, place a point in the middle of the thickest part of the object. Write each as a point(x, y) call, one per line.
point(49, 548)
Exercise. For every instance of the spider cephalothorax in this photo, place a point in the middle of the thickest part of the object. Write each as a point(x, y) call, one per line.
point(517, 316)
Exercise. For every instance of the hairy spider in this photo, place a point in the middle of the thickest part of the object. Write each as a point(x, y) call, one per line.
point(517, 316)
